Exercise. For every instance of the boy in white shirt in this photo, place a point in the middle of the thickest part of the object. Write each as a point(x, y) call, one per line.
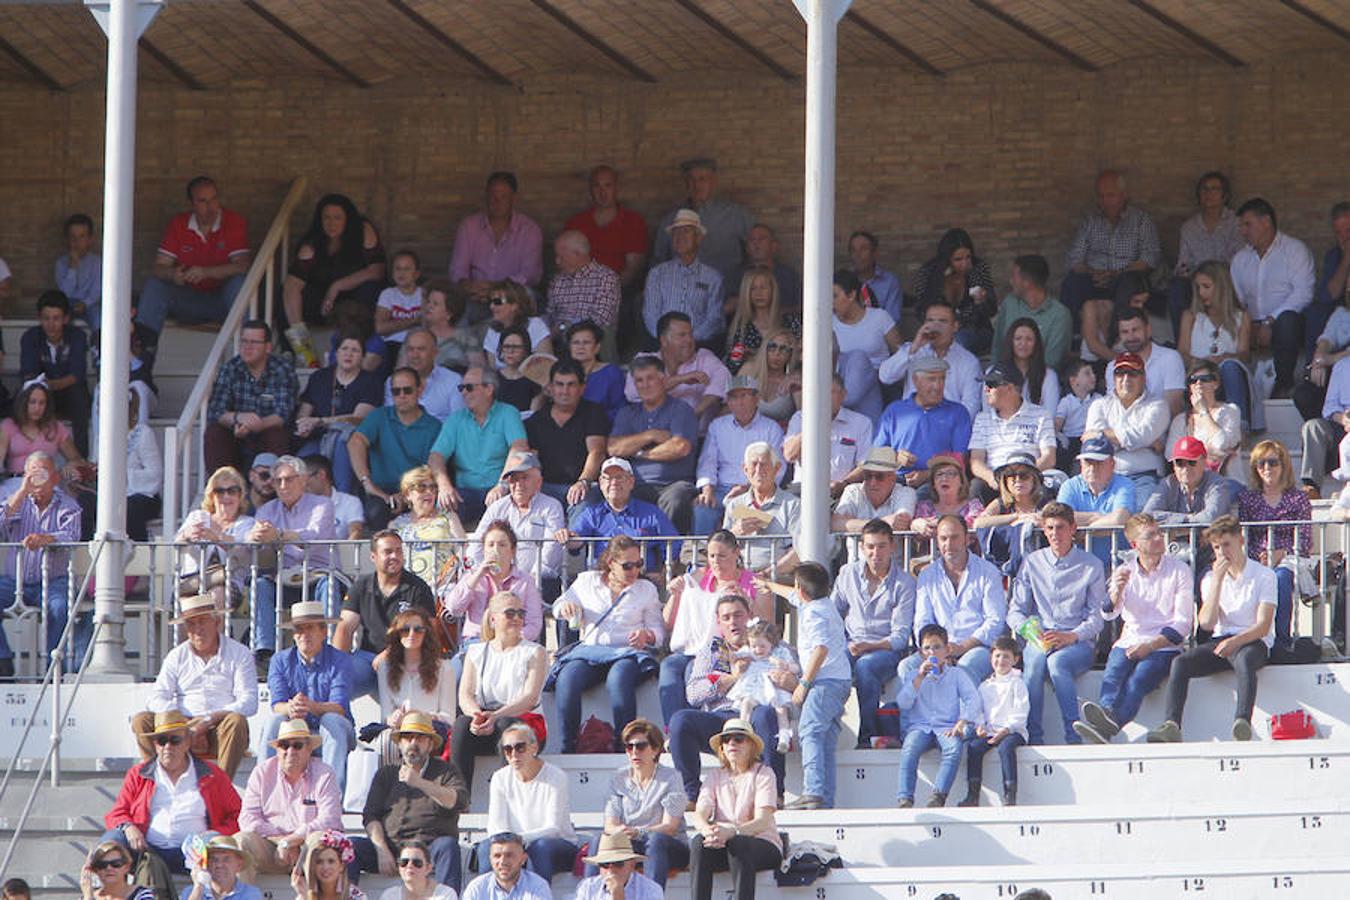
point(1071, 413)
point(1238, 599)
point(1006, 707)
point(399, 307)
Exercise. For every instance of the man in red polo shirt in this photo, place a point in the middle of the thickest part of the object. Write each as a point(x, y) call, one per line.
point(618, 237)
point(200, 264)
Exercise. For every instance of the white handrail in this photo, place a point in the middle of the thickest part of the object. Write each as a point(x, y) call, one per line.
point(191, 425)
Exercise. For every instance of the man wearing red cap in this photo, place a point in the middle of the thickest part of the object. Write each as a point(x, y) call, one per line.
point(1192, 494)
point(1134, 422)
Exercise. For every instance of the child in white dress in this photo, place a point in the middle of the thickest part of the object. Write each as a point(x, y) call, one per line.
point(767, 652)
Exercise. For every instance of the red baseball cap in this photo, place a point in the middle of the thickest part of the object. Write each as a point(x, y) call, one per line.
point(1129, 361)
point(1189, 448)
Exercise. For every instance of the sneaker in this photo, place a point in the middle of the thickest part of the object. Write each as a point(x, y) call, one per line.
point(1242, 730)
point(1168, 732)
point(806, 801)
point(904, 803)
point(784, 740)
point(1090, 734)
point(938, 799)
point(1099, 719)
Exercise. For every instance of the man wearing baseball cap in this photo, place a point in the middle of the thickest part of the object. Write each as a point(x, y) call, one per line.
point(1134, 422)
point(1163, 366)
point(1010, 425)
point(1192, 494)
point(619, 512)
point(1099, 496)
point(536, 518)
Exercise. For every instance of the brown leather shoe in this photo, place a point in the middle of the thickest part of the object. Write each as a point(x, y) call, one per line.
point(1311, 492)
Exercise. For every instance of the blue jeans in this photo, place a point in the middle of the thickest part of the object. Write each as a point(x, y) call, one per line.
point(861, 383)
point(871, 671)
point(976, 340)
point(339, 739)
point(670, 685)
point(1126, 682)
point(363, 674)
point(977, 747)
point(160, 299)
point(264, 607)
point(690, 730)
point(344, 478)
point(172, 856)
point(621, 679)
point(819, 731)
point(473, 504)
point(1284, 605)
point(1233, 377)
point(547, 856)
point(58, 600)
point(916, 743)
point(976, 662)
point(445, 864)
point(1145, 483)
point(708, 519)
point(1062, 668)
point(663, 853)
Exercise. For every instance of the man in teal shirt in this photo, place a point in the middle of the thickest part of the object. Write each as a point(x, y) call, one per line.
point(389, 441)
point(478, 439)
point(1030, 300)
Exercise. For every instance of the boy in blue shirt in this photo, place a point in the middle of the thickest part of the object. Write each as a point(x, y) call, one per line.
point(940, 703)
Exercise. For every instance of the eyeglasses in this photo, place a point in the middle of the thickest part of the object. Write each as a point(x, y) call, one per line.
point(499, 300)
point(169, 739)
point(1202, 379)
point(631, 566)
point(415, 861)
point(509, 749)
point(636, 746)
point(1268, 462)
point(292, 745)
point(1185, 463)
point(514, 612)
point(465, 387)
point(995, 385)
point(403, 391)
point(413, 629)
point(285, 479)
point(232, 489)
point(263, 474)
point(775, 347)
point(102, 864)
point(422, 486)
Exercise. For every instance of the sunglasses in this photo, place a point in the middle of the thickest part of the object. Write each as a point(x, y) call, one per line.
point(1202, 379)
point(224, 491)
point(1269, 462)
point(413, 629)
point(1020, 474)
point(995, 385)
point(168, 739)
point(499, 300)
point(465, 387)
point(509, 749)
point(1126, 373)
point(414, 861)
point(423, 486)
point(403, 390)
point(774, 346)
point(292, 745)
point(1185, 463)
point(610, 865)
point(631, 566)
point(635, 746)
point(103, 864)
point(734, 739)
point(514, 612)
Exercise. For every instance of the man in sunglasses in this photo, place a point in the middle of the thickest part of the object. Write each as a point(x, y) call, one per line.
point(439, 394)
point(619, 878)
point(390, 441)
point(1135, 423)
point(509, 878)
point(477, 441)
point(1192, 494)
point(1010, 425)
point(311, 682)
point(290, 795)
point(171, 796)
point(260, 487)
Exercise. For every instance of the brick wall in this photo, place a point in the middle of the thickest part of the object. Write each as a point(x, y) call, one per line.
point(1007, 151)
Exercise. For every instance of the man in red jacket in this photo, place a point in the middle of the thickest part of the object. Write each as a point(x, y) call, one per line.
point(172, 796)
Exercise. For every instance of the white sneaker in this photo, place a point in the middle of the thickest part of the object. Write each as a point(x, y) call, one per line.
point(784, 740)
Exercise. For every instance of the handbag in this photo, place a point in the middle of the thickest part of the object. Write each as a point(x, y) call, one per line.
point(1292, 726)
point(202, 582)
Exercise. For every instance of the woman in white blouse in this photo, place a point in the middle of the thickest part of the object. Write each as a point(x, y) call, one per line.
point(412, 673)
point(619, 616)
point(1217, 329)
point(530, 797)
point(1217, 425)
point(221, 528)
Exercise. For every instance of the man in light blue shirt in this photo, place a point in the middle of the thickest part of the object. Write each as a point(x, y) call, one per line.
point(1099, 496)
point(876, 599)
point(508, 878)
point(940, 702)
point(720, 461)
point(79, 272)
point(479, 439)
point(964, 594)
point(1064, 587)
point(883, 286)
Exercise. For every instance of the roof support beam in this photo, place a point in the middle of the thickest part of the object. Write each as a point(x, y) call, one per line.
point(885, 38)
point(453, 45)
point(306, 44)
point(595, 41)
point(1199, 40)
point(763, 58)
point(183, 75)
point(1018, 25)
point(29, 66)
point(1338, 30)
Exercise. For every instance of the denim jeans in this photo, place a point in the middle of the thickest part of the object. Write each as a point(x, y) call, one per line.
point(1062, 667)
point(1145, 483)
point(364, 683)
point(690, 730)
point(708, 519)
point(160, 299)
point(1126, 682)
point(172, 856)
point(1233, 377)
point(1284, 605)
point(871, 671)
point(621, 679)
point(58, 600)
point(976, 662)
point(1201, 661)
point(264, 607)
point(977, 747)
point(339, 739)
point(819, 731)
point(670, 685)
point(916, 743)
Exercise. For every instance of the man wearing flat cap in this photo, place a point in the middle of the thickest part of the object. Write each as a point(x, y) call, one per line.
point(925, 423)
point(211, 679)
point(619, 878)
point(289, 796)
point(311, 682)
point(171, 796)
point(684, 283)
point(420, 798)
point(537, 519)
point(728, 224)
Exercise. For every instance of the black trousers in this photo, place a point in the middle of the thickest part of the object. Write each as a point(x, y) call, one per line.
point(1201, 661)
point(744, 856)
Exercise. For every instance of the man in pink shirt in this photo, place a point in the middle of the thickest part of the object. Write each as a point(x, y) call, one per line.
point(288, 797)
point(498, 244)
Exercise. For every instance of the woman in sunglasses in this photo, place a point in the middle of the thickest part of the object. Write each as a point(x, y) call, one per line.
point(531, 797)
point(1274, 496)
point(511, 304)
point(412, 673)
point(107, 875)
point(1218, 425)
point(219, 530)
point(414, 870)
point(1009, 527)
point(618, 615)
point(646, 802)
point(778, 367)
point(501, 685)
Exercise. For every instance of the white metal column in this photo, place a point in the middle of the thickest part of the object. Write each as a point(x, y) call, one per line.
point(123, 21)
point(822, 33)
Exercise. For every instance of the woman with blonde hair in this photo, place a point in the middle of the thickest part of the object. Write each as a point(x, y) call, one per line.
point(427, 531)
point(778, 369)
point(321, 872)
point(758, 314)
point(107, 875)
point(512, 304)
point(221, 526)
point(1217, 329)
point(1009, 527)
point(412, 674)
point(1273, 497)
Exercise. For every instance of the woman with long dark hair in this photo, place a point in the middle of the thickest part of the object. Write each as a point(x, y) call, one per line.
point(513, 386)
point(413, 674)
point(1024, 348)
point(955, 274)
point(604, 382)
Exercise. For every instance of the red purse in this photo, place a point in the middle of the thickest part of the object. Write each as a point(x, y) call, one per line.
point(1292, 726)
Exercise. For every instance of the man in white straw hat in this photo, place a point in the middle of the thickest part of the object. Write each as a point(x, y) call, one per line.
point(619, 878)
point(312, 682)
point(289, 796)
point(210, 678)
point(685, 284)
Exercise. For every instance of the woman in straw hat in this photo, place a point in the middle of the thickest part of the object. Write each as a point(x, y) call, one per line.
point(321, 873)
point(734, 815)
point(414, 869)
point(413, 674)
point(107, 875)
point(218, 878)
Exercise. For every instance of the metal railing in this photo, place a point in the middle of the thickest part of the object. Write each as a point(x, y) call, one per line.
point(59, 714)
point(184, 454)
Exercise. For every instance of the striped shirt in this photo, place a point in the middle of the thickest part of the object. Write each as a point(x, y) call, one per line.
point(695, 290)
point(60, 519)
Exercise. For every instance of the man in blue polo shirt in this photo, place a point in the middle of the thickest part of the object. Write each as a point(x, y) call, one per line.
point(389, 441)
point(479, 439)
point(925, 422)
point(619, 512)
point(1099, 496)
point(658, 435)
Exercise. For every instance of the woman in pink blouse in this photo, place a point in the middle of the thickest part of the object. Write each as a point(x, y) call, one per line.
point(33, 427)
point(495, 572)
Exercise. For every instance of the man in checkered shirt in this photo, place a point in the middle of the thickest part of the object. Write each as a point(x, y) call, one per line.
point(1118, 238)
